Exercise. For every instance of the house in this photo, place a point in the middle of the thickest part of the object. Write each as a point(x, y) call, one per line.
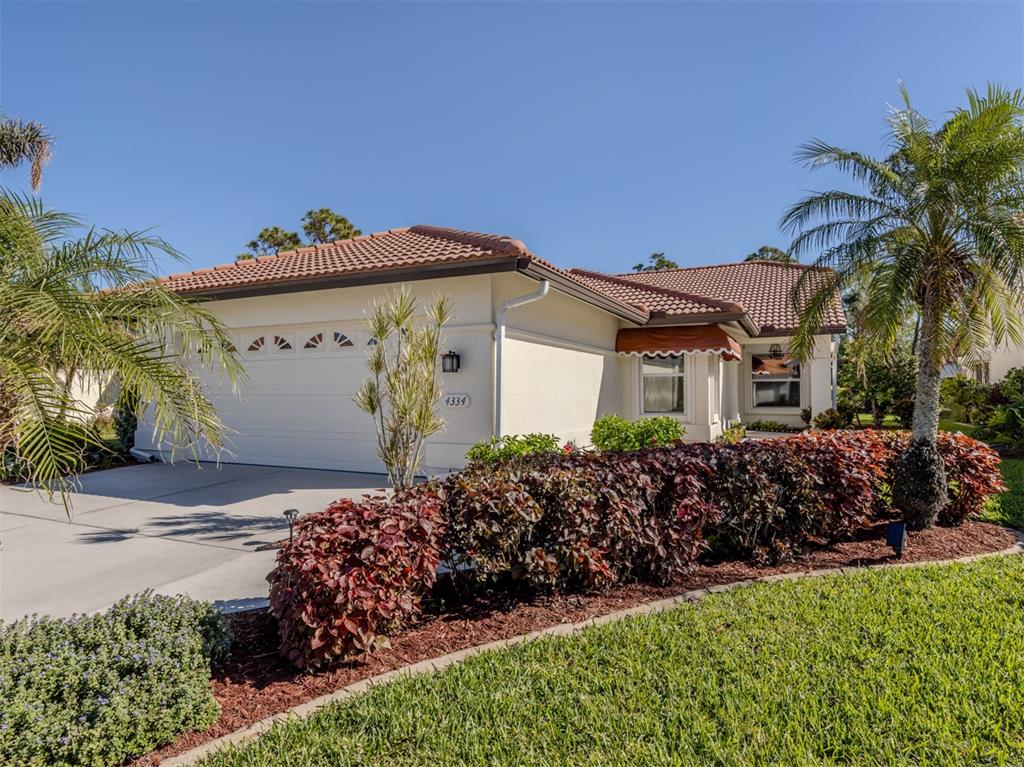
point(1002, 360)
point(541, 349)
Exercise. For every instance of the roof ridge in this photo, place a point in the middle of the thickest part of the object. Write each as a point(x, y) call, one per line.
point(499, 243)
point(765, 262)
point(312, 248)
point(696, 297)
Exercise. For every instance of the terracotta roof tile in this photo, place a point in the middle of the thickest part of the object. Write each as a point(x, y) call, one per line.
point(763, 288)
point(393, 249)
point(656, 299)
point(760, 289)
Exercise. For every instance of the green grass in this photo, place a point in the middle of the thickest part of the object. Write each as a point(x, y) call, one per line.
point(1008, 508)
point(916, 666)
point(966, 428)
point(887, 421)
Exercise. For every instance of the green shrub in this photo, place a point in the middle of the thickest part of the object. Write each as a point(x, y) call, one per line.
point(1011, 388)
point(732, 434)
point(831, 419)
point(1004, 426)
point(615, 434)
point(904, 411)
point(99, 689)
point(964, 399)
point(806, 415)
point(502, 448)
point(767, 426)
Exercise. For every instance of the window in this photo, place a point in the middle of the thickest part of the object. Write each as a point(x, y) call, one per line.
point(314, 341)
point(341, 340)
point(256, 345)
point(282, 343)
point(663, 384)
point(776, 381)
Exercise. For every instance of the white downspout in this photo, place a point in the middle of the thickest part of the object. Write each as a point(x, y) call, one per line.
point(499, 344)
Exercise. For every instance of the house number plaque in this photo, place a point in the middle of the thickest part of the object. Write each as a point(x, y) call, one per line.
point(456, 401)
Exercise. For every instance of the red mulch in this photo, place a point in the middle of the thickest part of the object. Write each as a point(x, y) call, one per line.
point(257, 682)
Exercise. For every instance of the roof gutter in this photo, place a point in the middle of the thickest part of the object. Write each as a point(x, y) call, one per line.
point(570, 287)
point(499, 344)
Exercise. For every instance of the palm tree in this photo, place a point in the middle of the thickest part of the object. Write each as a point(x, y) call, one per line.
point(939, 226)
point(24, 141)
point(85, 303)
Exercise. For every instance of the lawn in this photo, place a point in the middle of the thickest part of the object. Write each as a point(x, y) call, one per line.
point(916, 666)
point(1008, 508)
point(966, 428)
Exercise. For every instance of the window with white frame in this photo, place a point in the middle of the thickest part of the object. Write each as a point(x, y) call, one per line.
point(775, 380)
point(662, 384)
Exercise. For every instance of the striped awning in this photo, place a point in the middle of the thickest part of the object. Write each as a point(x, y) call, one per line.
point(690, 339)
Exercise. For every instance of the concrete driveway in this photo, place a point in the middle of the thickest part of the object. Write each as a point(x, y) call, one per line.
point(178, 529)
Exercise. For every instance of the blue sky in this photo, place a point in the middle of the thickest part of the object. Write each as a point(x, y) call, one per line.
point(597, 133)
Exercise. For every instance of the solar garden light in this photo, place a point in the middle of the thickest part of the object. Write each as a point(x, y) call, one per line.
point(895, 536)
point(291, 515)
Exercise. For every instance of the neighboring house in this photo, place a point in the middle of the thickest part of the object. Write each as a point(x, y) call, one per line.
point(542, 349)
point(1003, 359)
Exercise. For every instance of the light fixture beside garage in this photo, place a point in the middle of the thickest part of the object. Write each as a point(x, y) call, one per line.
point(450, 362)
point(775, 352)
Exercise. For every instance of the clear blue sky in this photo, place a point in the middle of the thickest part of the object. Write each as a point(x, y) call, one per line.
point(596, 133)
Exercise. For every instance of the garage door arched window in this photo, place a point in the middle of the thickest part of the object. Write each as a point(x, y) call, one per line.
point(282, 344)
point(314, 342)
point(341, 340)
point(257, 344)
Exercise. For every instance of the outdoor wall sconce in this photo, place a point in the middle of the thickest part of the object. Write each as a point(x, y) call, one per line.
point(775, 352)
point(895, 536)
point(450, 362)
point(291, 515)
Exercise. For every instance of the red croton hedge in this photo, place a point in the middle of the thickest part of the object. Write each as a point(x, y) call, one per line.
point(584, 520)
point(354, 572)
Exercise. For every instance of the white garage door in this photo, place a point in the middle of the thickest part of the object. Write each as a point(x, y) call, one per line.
point(297, 409)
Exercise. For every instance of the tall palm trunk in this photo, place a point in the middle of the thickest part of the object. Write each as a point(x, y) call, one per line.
point(920, 487)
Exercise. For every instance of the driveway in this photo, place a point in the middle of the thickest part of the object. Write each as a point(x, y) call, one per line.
point(178, 529)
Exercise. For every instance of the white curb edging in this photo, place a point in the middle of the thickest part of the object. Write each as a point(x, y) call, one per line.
point(303, 710)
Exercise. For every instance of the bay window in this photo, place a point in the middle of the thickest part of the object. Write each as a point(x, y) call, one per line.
point(776, 381)
point(663, 387)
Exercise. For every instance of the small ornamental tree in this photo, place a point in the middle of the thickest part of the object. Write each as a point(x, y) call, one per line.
point(403, 392)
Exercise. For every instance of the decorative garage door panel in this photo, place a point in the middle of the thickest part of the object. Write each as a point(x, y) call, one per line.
point(297, 408)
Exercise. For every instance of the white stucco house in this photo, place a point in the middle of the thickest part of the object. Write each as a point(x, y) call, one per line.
point(541, 349)
point(1003, 359)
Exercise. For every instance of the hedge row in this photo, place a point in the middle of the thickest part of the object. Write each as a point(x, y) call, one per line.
point(583, 520)
point(98, 689)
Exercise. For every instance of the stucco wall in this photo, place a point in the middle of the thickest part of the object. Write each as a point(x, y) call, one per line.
point(815, 382)
point(1004, 358)
point(561, 371)
point(297, 408)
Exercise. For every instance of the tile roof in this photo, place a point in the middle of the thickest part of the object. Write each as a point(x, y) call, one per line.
point(758, 290)
point(394, 249)
point(659, 301)
point(762, 288)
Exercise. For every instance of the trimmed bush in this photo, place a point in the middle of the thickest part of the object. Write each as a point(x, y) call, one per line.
point(99, 689)
point(579, 520)
point(585, 520)
point(831, 419)
point(611, 433)
point(502, 448)
point(903, 409)
point(768, 426)
point(354, 573)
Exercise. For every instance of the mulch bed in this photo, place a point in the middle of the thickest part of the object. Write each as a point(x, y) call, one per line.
point(257, 682)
